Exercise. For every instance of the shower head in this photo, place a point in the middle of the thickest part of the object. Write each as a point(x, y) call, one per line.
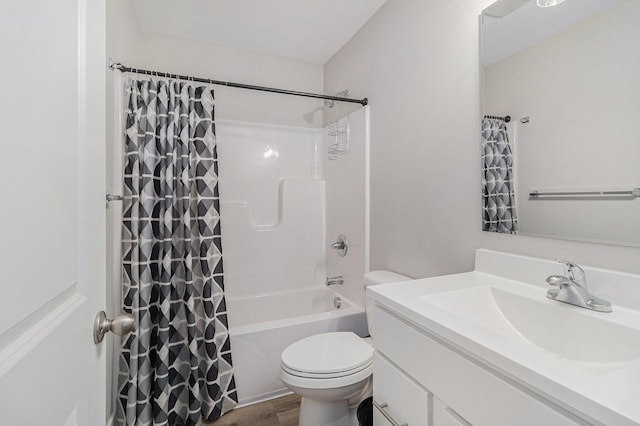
point(328, 103)
point(343, 94)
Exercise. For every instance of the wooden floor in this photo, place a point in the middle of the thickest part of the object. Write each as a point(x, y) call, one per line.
point(282, 411)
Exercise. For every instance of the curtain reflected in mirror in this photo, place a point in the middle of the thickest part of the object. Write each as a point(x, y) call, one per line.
point(498, 198)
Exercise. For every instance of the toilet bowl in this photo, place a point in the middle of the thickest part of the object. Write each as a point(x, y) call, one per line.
point(332, 371)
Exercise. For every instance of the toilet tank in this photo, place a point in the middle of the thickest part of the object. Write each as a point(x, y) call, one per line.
point(374, 278)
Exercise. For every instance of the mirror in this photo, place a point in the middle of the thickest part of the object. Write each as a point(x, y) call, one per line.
point(567, 163)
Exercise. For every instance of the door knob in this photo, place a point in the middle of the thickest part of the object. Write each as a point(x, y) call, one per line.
point(120, 325)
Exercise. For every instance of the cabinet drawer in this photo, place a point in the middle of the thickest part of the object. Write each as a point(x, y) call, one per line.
point(406, 401)
point(476, 393)
point(445, 416)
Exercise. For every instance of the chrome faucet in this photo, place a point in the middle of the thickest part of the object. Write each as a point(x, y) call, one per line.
point(572, 288)
point(334, 280)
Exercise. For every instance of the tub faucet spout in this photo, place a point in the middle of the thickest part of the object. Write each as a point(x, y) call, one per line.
point(334, 280)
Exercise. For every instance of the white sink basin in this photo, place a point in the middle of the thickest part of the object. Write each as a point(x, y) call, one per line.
point(563, 330)
point(498, 316)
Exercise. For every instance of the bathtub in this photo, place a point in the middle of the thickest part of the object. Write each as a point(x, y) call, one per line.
point(262, 326)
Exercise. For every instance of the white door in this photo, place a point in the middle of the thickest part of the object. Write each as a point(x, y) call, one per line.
point(52, 212)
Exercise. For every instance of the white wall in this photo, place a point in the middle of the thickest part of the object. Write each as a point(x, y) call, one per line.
point(417, 62)
point(584, 129)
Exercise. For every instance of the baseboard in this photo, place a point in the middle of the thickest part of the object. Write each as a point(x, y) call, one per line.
point(264, 397)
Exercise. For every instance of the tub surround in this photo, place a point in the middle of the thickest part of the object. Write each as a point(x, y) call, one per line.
point(271, 192)
point(347, 204)
point(277, 189)
point(588, 381)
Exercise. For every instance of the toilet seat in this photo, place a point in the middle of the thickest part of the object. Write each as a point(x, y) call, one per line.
point(331, 375)
point(327, 360)
point(327, 355)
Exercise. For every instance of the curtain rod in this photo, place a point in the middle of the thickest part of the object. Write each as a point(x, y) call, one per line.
point(506, 118)
point(123, 68)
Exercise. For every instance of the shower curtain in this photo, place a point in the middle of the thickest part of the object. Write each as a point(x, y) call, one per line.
point(175, 368)
point(498, 199)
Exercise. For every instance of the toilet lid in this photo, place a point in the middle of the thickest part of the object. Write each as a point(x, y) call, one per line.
point(328, 353)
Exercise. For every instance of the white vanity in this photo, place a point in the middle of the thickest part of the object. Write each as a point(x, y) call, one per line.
point(489, 348)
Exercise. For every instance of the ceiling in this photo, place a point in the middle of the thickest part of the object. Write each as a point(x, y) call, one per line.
point(307, 30)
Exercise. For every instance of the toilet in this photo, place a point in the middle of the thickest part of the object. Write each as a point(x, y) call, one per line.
point(332, 371)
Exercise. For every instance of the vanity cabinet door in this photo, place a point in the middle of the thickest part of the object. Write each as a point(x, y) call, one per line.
point(397, 398)
point(379, 419)
point(445, 416)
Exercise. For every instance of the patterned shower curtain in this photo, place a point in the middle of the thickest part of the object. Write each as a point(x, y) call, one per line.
point(498, 199)
point(175, 368)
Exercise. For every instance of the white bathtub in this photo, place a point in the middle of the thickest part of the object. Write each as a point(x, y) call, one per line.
point(262, 326)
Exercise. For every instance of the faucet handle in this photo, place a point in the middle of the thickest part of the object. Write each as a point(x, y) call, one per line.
point(573, 271)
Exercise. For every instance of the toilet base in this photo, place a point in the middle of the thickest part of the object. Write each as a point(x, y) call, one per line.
point(330, 407)
point(320, 413)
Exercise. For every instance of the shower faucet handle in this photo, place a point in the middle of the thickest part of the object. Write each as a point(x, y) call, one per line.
point(341, 245)
point(338, 245)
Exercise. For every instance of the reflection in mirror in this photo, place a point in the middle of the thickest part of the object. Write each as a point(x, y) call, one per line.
point(567, 164)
